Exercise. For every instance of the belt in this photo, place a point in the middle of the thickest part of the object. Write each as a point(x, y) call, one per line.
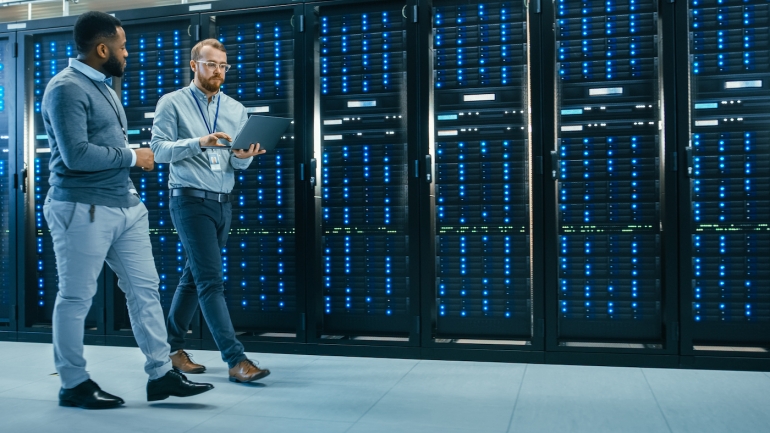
point(216, 196)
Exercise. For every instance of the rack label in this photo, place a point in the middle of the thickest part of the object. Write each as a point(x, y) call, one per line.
point(572, 128)
point(333, 122)
point(149, 115)
point(604, 91)
point(446, 133)
point(479, 97)
point(706, 123)
point(358, 104)
point(201, 7)
point(263, 109)
point(17, 26)
point(743, 84)
point(332, 137)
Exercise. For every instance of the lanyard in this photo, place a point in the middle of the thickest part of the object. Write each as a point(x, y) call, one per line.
point(216, 117)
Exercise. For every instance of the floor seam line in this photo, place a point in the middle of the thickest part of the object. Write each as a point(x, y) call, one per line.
point(657, 403)
point(383, 396)
point(200, 423)
point(516, 402)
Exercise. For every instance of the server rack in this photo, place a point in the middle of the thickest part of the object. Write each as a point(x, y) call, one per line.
point(8, 184)
point(158, 63)
point(42, 54)
point(264, 259)
point(365, 267)
point(481, 216)
point(609, 283)
point(725, 294)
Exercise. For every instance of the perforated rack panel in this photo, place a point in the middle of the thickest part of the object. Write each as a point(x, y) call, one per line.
point(260, 267)
point(482, 237)
point(364, 170)
point(7, 289)
point(608, 172)
point(158, 63)
point(729, 170)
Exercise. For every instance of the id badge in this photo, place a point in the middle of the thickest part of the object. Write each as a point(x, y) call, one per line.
point(215, 161)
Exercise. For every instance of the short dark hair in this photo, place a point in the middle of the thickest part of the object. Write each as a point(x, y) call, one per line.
point(91, 26)
point(195, 53)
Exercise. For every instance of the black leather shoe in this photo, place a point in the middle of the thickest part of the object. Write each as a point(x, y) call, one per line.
point(88, 395)
point(174, 384)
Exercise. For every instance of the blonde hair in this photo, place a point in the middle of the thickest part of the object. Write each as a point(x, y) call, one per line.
point(195, 53)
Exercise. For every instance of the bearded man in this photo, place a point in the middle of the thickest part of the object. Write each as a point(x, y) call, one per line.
point(186, 131)
point(95, 215)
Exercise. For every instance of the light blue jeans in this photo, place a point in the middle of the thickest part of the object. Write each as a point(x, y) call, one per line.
point(119, 236)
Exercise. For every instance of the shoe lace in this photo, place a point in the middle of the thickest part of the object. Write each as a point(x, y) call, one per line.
point(188, 356)
point(254, 364)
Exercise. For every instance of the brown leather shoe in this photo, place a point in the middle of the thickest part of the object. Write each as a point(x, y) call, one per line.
point(247, 371)
point(182, 363)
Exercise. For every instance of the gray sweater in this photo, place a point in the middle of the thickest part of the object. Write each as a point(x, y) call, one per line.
point(90, 159)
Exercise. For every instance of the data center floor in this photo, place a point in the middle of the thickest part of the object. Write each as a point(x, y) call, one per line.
point(337, 394)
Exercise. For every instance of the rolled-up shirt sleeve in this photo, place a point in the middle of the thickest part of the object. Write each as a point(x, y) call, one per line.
point(238, 163)
point(165, 144)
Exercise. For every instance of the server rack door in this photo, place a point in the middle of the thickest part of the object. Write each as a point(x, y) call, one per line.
point(364, 289)
point(263, 287)
point(43, 53)
point(481, 210)
point(7, 185)
point(158, 63)
point(608, 289)
point(726, 253)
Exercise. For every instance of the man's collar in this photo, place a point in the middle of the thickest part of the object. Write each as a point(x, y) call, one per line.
point(199, 93)
point(90, 72)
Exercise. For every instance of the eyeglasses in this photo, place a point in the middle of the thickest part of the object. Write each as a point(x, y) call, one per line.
point(213, 66)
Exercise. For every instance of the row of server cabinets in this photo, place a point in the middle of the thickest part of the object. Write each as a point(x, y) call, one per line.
point(567, 180)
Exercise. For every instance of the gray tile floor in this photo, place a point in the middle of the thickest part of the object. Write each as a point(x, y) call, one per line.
point(336, 394)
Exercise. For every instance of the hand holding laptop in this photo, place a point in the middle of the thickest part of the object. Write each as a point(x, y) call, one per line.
point(253, 150)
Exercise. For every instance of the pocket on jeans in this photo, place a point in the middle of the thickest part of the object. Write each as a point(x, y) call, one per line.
point(184, 201)
point(187, 200)
point(59, 213)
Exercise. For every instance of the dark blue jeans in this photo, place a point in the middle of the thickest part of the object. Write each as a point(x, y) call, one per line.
point(203, 226)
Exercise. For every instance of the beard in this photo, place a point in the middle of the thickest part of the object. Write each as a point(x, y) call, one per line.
point(212, 84)
point(113, 67)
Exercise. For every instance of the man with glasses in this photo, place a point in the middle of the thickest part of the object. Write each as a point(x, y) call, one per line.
point(189, 124)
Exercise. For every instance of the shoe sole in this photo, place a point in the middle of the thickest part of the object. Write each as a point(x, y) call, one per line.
point(196, 371)
point(158, 397)
point(262, 375)
point(67, 403)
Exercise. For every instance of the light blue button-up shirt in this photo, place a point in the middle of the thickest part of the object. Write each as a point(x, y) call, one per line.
point(176, 133)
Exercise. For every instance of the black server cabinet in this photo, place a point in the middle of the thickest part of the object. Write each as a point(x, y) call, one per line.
point(158, 63)
point(263, 261)
point(726, 207)
point(8, 187)
point(42, 54)
point(365, 269)
point(481, 220)
point(606, 266)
